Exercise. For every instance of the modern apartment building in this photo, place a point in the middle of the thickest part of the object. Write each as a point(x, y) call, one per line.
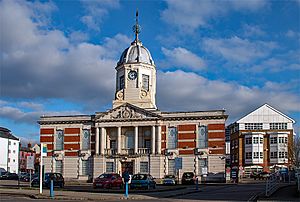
point(261, 140)
point(9, 150)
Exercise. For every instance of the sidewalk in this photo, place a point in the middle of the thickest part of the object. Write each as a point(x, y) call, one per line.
point(71, 195)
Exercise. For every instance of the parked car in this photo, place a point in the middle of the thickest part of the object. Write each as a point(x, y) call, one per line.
point(108, 180)
point(9, 176)
point(58, 180)
point(142, 181)
point(26, 178)
point(188, 178)
point(263, 175)
point(169, 180)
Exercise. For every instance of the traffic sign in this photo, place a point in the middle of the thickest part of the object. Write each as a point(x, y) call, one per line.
point(178, 163)
point(30, 163)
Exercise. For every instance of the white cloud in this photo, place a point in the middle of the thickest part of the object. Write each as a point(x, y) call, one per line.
point(191, 14)
point(96, 10)
point(188, 91)
point(45, 63)
point(288, 61)
point(181, 57)
point(253, 30)
point(19, 115)
point(239, 50)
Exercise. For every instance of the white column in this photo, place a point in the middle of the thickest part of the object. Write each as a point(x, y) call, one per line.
point(153, 140)
point(97, 141)
point(102, 141)
point(136, 139)
point(119, 140)
point(159, 140)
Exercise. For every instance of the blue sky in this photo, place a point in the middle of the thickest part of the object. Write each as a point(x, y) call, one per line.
point(58, 57)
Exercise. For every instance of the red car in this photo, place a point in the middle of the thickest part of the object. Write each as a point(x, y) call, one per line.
point(108, 180)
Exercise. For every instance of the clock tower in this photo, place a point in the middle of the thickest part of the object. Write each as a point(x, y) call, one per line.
point(136, 75)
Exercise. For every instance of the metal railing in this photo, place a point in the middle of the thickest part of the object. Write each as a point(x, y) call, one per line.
point(272, 184)
point(143, 151)
point(110, 152)
point(127, 151)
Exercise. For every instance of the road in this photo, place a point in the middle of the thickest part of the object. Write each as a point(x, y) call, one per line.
point(241, 192)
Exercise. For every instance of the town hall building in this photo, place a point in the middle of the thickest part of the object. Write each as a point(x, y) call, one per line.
point(135, 134)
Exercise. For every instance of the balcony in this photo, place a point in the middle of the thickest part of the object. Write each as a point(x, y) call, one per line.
point(143, 151)
point(127, 151)
point(110, 152)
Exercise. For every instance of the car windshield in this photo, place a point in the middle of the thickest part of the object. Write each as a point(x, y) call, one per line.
point(188, 174)
point(139, 177)
point(105, 176)
point(169, 176)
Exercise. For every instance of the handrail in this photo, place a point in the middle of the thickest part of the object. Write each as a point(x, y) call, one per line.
point(271, 183)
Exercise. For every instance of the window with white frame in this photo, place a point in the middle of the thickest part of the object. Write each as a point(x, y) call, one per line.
point(285, 140)
point(261, 155)
point(255, 140)
point(253, 126)
point(261, 140)
point(281, 154)
point(285, 155)
point(278, 126)
point(273, 140)
point(255, 155)
point(281, 140)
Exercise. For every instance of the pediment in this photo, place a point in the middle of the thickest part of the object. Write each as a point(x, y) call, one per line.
point(127, 112)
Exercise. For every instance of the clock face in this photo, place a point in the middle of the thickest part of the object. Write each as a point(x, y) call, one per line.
point(132, 75)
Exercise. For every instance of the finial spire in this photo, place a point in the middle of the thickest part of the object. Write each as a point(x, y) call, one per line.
point(137, 27)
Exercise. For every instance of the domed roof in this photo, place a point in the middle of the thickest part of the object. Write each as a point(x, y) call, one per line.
point(136, 52)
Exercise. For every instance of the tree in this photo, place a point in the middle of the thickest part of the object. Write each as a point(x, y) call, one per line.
point(294, 152)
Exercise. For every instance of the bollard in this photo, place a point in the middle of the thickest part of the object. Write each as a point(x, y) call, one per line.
point(51, 190)
point(126, 189)
point(197, 184)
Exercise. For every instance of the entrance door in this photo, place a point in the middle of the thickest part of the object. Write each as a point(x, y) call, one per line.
point(128, 166)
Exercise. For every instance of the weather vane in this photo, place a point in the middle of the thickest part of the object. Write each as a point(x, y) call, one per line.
point(136, 27)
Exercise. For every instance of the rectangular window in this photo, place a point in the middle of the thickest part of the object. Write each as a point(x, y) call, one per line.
point(147, 144)
point(86, 140)
point(281, 154)
point(59, 167)
point(248, 155)
point(122, 82)
point(255, 155)
point(85, 167)
point(202, 137)
point(253, 126)
point(172, 138)
point(109, 167)
point(278, 126)
point(144, 167)
point(59, 140)
point(145, 80)
point(261, 155)
point(255, 140)
point(113, 144)
point(249, 140)
point(285, 140)
point(171, 167)
point(273, 140)
point(261, 140)
point(285, 155)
